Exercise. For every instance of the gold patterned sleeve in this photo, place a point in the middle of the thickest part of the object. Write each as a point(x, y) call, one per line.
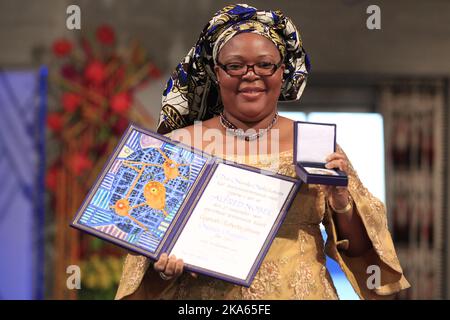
point(362, 271)
point(130, 285)
point(140, 281)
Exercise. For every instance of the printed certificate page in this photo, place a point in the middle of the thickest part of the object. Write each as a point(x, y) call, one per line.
point(232, 221)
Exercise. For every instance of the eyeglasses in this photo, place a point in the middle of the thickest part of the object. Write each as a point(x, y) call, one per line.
point(260, 68)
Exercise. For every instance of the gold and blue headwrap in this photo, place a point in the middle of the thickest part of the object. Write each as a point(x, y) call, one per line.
point(191, 92)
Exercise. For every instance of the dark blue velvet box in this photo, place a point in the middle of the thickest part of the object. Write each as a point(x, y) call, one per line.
point(313, 142)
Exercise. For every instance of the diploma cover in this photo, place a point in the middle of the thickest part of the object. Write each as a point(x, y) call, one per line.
point(156, 195)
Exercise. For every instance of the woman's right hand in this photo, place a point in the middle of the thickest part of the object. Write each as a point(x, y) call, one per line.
point(170, 267)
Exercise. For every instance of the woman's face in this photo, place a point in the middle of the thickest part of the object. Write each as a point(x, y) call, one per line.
point(249, 97)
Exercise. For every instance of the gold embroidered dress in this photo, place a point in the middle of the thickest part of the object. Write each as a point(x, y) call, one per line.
point(294, 267)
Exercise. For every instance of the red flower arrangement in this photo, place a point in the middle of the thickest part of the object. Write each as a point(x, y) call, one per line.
point(51, 180)
point(106, 35)
point(62, 47)
point(95, 92)
point(121, 102)
point(95, 72)
point(91, 102)
point(55, 122)
point(70, 101)
point(79, 163)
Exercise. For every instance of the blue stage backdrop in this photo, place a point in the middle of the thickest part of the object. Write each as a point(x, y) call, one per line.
point(23, 97)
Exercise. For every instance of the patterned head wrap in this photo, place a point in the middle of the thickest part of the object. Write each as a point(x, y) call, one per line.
point(191, 92)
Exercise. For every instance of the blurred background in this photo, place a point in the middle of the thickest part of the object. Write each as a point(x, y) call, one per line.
point(66, 96)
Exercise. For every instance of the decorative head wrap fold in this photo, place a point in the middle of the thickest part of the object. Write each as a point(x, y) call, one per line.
point(191, 92)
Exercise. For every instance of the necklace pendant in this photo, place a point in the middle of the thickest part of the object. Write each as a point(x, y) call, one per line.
point(240, 133)
point(252, 137)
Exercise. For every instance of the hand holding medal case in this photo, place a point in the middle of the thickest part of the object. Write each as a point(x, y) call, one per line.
point(313, 142)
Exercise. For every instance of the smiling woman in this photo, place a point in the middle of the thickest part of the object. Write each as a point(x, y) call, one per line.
point(245, 61)
point(250, 77)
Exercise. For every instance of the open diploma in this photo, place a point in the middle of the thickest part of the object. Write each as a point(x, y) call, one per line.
point(156, 195)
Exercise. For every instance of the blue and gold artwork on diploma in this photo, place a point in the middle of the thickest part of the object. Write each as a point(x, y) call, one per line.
point(141, 190)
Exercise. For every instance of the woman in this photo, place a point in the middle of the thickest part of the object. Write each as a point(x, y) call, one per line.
point(244, 62)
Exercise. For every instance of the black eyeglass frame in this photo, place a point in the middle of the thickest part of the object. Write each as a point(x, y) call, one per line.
point(275, 67)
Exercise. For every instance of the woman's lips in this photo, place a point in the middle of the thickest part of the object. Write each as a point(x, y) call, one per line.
point(252, 93)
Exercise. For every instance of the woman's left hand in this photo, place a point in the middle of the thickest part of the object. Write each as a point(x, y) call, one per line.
point(338, 197)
